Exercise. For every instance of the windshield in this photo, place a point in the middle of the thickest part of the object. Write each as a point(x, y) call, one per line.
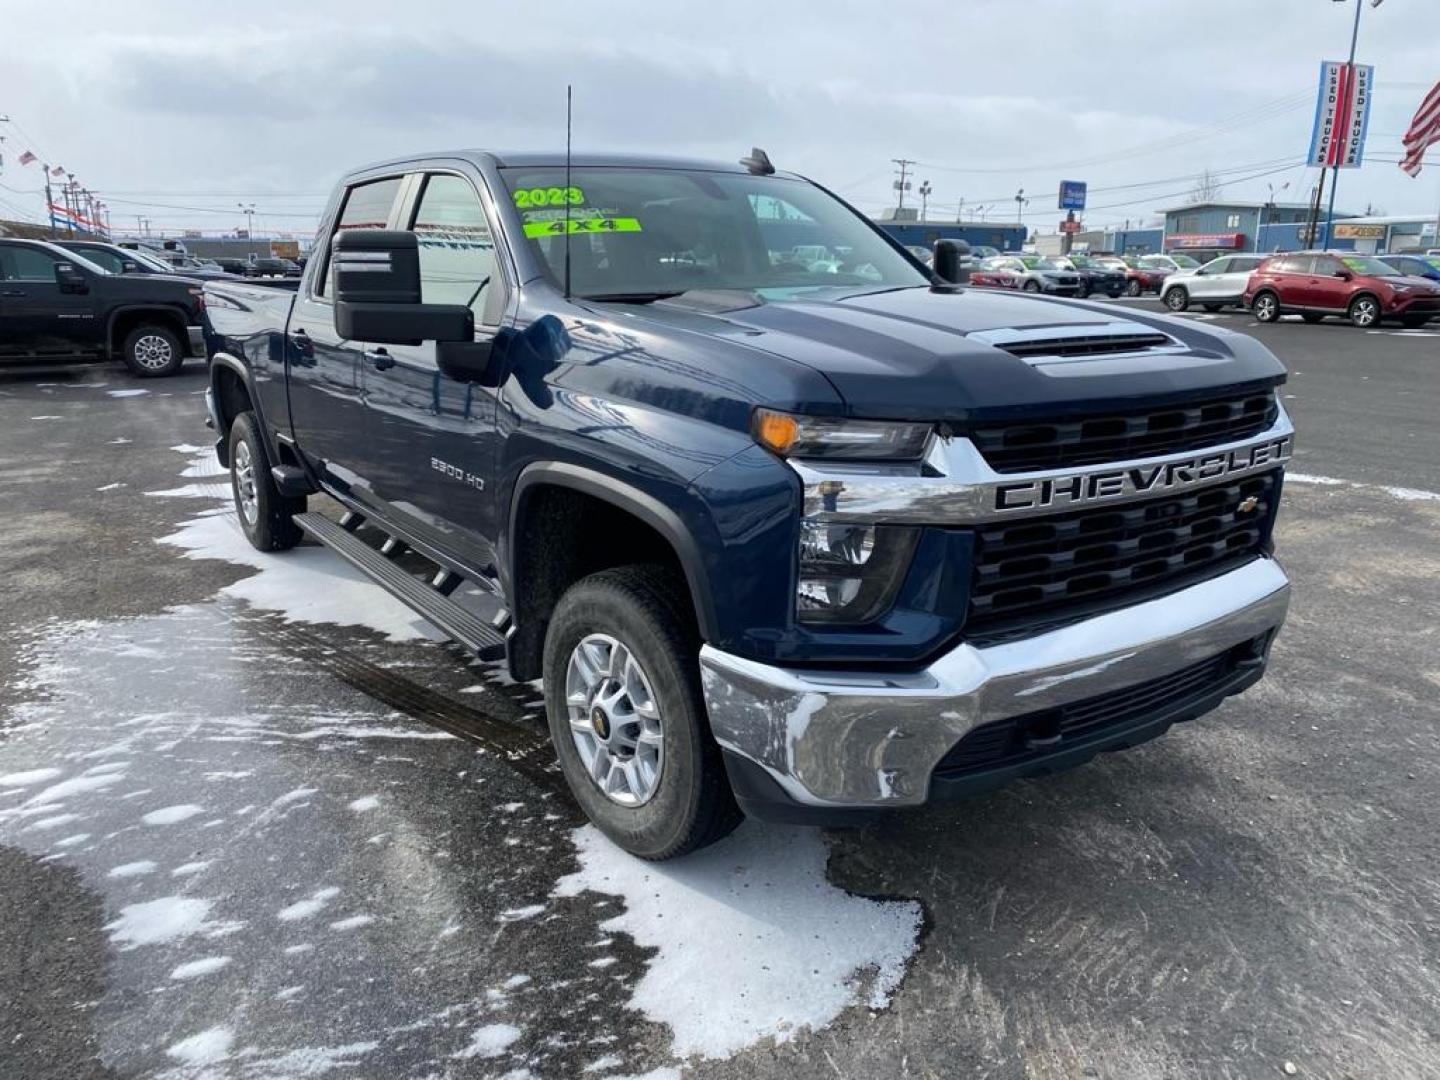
point(1185, 262)
point(642, 233)
point(146, 259)
point(1036, 262)
point(1365, 264)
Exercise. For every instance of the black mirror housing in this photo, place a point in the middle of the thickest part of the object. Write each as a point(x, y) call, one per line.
point(70, 279)
point(128, 267)
point(952, 261)
point(377, 292)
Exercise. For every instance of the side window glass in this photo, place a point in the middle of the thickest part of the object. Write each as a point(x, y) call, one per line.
point(367, 206)
point(1224, 266)
point(31, 264)
point(457, 250)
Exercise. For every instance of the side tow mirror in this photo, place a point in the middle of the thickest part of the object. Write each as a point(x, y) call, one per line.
point(377, 292)
point(952, 261)
point(129, 267)
point(70, 279)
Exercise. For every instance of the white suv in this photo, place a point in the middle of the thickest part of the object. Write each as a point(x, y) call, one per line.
point(1219, 283)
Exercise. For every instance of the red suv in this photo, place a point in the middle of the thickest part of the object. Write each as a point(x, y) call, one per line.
point(1319, 283)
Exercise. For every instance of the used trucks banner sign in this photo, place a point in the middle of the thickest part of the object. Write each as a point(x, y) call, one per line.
point(1342, 113)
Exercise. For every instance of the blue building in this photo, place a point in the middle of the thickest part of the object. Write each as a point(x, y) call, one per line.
point(1207, 229)
point(1005, 236)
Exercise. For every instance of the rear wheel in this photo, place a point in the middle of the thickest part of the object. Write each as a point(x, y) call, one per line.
point(152, 351)
point(1311, 316)
point(1364, 311)
point(266, 517)
point(1176, 298)
point(622, 692)
point(1265, 307)
point(1133, 287)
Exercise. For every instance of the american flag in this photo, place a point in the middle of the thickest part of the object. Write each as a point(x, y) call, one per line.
point(1424, 129)
point(26, 158)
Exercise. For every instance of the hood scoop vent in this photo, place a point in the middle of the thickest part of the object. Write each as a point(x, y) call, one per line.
point(1058, 344)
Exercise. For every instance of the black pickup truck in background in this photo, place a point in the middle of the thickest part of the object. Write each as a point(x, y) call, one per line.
point(807, 539)
point(58, 307)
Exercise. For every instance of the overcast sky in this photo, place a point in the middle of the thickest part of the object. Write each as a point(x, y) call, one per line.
point(170, 109)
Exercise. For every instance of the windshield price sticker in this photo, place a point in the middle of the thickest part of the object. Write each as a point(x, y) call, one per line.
point(560, 227)
point(554, 196)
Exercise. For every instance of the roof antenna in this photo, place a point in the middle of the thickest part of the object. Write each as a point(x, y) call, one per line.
point(758, 162)
point(567, 190)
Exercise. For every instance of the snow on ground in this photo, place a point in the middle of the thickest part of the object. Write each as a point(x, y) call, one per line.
point(753, 941)
point(1405, 494)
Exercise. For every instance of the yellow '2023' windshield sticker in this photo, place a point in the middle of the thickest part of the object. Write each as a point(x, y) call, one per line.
point(560, 227)
point(525, 198)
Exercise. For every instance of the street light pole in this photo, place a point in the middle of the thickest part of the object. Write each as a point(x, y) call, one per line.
point(1020, 203)
point(925, 190)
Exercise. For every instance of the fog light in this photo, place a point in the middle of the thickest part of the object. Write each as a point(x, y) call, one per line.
point(850, 573)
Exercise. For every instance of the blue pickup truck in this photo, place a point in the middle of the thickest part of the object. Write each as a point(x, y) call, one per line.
point(803, 539)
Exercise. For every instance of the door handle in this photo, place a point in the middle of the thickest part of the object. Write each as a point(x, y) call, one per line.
point(380, 359)
point(14, 292)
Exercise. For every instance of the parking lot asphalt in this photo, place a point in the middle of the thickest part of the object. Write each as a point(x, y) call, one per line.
point(255, 821)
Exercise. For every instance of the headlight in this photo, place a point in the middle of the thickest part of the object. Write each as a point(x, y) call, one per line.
point(827, 437)
point(850, 573)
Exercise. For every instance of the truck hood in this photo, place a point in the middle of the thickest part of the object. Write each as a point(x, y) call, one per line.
point(916, 354)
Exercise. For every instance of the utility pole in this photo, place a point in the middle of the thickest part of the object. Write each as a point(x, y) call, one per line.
point(248, 209)
point(49, 199)
point(1335, 173)
point(1020, 203)
point(902, 185)
point(925, 190)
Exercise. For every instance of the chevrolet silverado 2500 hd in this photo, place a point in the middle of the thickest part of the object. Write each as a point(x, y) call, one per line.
point(807, 541)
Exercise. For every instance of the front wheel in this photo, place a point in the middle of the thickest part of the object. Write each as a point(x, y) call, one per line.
point(152, 351)
point(266, 517)
point(1031, 286)
point(1177, 299)
point(1364, 311)
point(1133, 287)
point(1266, 307)
point(622, 694)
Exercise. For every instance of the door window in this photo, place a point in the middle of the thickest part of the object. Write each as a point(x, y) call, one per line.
point(29, 264)
point(457, 248)
point(367, 206)
point(1220, 266)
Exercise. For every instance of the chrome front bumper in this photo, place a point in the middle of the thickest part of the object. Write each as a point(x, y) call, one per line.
point(869, 740)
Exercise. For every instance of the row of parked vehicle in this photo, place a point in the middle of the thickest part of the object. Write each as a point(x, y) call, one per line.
point(1365, 289)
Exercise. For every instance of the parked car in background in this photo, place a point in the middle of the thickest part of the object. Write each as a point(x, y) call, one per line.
point(1037, 274)
point(1170, 264)
point(1142, 277)
point(983, 251)
point(268, 267)
point(56, 306)
point(1362, 288)
point(1094, 278)
point(231, 265)
point(120, 260)
point(991, 274)
point(1219, 283)
point(1426, 266)
point(924, 254)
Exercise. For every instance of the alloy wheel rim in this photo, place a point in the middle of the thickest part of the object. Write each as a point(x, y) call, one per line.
point(1175, 299)
point(245, 492)
point(1365, 312)
point(153, 352)
point(1265, 307)
point(614, 720)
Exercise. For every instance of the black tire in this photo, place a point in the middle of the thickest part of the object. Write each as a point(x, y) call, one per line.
point(1364, 311)
point(1031, 286)
point(1212, 307)
point(1265, 307)
point(1114, 294)
point(271, 526)
point(1413, 322)
point(1176, 298)
point(647, 610)
point(151, 351)
point(1312, 317)
point(1084, 291)
point(1133, 287)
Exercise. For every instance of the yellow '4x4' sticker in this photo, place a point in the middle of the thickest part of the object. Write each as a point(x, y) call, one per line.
point(560, 227)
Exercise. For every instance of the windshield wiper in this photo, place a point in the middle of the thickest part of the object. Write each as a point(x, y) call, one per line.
point(633, 297)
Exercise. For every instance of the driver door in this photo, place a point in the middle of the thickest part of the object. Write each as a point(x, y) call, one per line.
point(38, 318)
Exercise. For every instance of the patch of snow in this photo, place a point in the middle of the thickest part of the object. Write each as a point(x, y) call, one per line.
point(1407, 494)
point(311, 1060)
point(133, 869)
point(111, 487)
point(515, 981)
point(172, 815)
point(195, 968)
point(47, 418)
point(752, 940)
point(126, 393)
point(489, 1041)
point(368, 802)
point(25, 779)
point(54, 822)
point(155, 921)
point(186, 869)
point(209, 1046)
point(76, 785)
point(529, 911)
point(303, 909)
point(296, 950)
point(354, 922)
point(298, 795)
point(71, 841)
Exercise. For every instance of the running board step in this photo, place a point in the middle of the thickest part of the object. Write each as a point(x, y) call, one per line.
point(470, 630)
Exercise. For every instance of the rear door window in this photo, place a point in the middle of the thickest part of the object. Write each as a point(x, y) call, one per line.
point(367, 206)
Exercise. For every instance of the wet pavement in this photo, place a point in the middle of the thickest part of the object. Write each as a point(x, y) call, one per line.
point(256, 822)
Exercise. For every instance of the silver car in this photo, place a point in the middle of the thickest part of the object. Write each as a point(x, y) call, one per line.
point(1219, 283)
point(1038, 274)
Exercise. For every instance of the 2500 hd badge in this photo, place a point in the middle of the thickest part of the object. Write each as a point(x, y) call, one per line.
point(1137, 480)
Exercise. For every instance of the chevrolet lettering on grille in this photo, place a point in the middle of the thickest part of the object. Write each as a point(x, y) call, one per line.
point(1091, 487)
